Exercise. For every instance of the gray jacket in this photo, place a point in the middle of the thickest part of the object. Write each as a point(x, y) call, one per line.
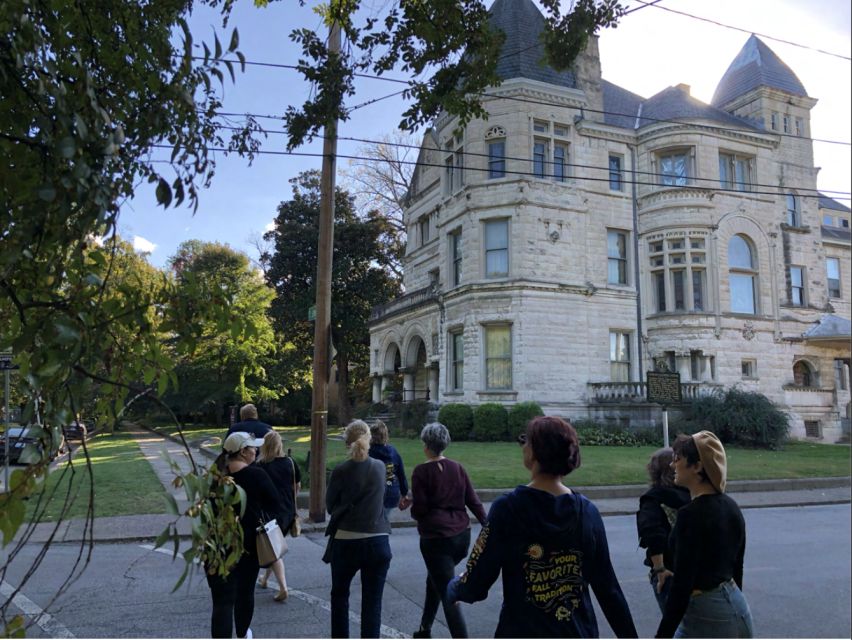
point(361, 484)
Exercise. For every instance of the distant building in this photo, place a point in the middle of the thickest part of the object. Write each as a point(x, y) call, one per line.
point(583, 235)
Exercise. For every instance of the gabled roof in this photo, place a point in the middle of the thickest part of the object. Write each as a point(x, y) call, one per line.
point(756, 65)
point(522, 54)
point(829, 327)
point(828, 203)
point(675, 103)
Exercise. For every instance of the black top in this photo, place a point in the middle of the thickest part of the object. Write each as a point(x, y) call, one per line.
point(709, 541)
point(281, 471)
point(261, 503)
point(552, 552)
point(657, 514)
point(255, 427)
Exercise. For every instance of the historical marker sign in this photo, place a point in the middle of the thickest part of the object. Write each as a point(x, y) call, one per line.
point(6, 363)
point(663, 388)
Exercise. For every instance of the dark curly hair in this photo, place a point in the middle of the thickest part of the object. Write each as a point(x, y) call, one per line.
point(554, 445)
point(659, 468)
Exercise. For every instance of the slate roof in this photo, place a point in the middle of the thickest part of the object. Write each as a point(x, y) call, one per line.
point(523, 53)
point(829, 326)
point(620, 101)
point(836, 233)
point(675, 103)
point(828, 203)
point(756, 65)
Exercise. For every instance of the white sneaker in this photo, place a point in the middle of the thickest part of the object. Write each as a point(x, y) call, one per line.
point(248, 634)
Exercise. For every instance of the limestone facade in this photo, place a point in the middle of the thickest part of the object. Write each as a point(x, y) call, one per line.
point(559, 250)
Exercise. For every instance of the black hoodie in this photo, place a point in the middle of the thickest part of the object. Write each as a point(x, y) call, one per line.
point(550, 549)
point(655, 519)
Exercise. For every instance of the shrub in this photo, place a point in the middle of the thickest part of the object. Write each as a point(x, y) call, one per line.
point(490, 422)
point(520, 414)
point(414, 416)
point(739, 417)
point(591, 433)
point(458, 418)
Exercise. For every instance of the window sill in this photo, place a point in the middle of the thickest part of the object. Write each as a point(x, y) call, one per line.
point(799, 229)
point(454, 393)
point(492, 393)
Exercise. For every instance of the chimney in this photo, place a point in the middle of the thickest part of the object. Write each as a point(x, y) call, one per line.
point(684, 87)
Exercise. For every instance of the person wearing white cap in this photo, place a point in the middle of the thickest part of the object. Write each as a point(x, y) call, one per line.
point(233, 597)
point(709, 538)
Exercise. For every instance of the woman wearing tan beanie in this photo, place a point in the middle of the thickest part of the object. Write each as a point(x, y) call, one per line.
point(709, 537)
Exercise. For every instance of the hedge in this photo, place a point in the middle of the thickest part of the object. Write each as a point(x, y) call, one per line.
point(520, 414)
point(490, 422)
point(458, 418)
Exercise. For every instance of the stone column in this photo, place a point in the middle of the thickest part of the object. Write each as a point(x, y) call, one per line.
point(378, 383)
point(433, 382)
point(407, 384)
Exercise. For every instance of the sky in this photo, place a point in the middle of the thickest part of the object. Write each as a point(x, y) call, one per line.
point(650, 50)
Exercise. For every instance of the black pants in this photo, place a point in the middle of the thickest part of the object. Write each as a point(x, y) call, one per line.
point(233, 598)
point(441, 556)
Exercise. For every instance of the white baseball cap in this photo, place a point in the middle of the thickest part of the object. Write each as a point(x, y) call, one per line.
point(240, 440)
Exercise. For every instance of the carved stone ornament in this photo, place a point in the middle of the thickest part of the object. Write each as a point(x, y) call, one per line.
point(495, 132)
point(748, 330)
point(554, 235)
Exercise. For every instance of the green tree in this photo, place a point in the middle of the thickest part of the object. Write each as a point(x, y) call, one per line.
point(360, 278)
point(90, 89)
point(228, 363)
point(445, 47)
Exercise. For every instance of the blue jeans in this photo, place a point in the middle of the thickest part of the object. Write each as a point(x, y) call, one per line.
point(719, 613)
point(370, 556)
point(664, 592)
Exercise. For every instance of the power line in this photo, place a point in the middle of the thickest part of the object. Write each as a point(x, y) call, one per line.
point(566, 179)
point(566, 164)
point(555, 104)
point(727, 26)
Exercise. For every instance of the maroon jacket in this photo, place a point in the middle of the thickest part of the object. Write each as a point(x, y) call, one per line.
point(441, 490)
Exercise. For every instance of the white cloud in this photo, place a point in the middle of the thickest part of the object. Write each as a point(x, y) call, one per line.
point(270, 226)
point(143, 245)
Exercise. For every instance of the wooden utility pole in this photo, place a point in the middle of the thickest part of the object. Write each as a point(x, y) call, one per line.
point(322, 325)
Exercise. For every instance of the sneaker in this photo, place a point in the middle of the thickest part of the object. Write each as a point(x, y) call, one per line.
point(422, 633)
point(248, 634)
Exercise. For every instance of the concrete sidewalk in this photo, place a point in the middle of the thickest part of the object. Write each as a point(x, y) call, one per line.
point(610, 500)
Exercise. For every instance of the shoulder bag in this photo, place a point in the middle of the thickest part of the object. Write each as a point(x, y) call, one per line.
point(271, 545)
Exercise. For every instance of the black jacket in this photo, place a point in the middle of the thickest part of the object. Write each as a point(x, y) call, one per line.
point(655, 520)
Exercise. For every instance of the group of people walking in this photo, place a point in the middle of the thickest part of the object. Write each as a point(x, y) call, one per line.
point(546, 541)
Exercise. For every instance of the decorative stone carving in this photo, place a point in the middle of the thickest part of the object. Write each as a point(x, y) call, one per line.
point(495, 132)
point(748, 330)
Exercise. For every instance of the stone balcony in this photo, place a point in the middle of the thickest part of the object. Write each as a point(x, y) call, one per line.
point(635, 392)
point(404, 303)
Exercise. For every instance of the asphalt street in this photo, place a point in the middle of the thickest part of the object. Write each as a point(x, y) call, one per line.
point(797, 581)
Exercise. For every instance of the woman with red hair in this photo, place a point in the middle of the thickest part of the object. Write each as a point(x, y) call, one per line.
point(550, 545)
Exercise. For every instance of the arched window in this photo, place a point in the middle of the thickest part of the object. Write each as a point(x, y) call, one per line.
point(802, 374)
point(742, 275)
point(794, 219)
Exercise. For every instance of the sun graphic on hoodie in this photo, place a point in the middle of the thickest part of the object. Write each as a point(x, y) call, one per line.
point(535, 552)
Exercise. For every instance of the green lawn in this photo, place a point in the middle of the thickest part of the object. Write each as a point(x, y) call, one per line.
point(124, 481)
point(498, 465)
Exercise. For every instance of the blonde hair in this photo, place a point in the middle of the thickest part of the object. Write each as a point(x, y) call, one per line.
point(271, 448)
point(379, 433)
point(357, 438)
point(248, 412)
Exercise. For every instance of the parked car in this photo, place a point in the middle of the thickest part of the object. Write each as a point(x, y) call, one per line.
point(77, 430)
point(26, 444)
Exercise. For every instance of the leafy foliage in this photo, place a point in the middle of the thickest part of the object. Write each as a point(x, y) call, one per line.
point(413, 416)
point(445, 47)
point(490, 422)
point(458, 418)
point(360, 277)
point(745, 418)
point(520, 414)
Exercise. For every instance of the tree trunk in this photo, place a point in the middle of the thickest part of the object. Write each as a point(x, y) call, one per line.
point(344, 407)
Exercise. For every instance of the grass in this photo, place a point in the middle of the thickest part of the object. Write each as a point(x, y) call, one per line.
point(125, 484)
point(497, 465)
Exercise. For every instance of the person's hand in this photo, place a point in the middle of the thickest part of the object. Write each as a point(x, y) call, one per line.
point(664, 575)
point(404, 503)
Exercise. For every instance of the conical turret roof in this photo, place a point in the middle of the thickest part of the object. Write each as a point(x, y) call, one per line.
point(522, 55)
point(756, 65)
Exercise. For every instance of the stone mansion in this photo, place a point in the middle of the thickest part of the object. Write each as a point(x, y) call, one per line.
point(583, 235)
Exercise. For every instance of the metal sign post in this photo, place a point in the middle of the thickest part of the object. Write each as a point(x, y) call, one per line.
point(663, 388)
